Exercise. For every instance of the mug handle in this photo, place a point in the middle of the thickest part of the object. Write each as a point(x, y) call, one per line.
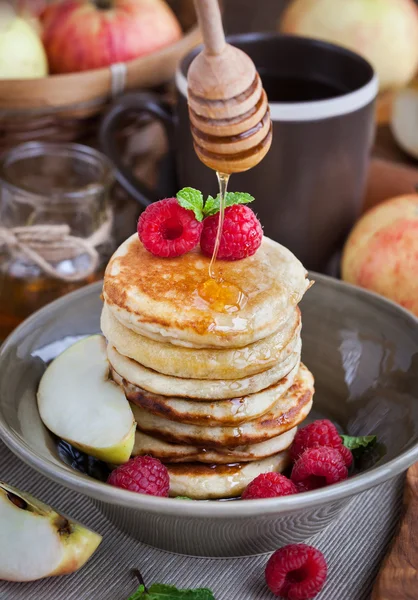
point(135, 102)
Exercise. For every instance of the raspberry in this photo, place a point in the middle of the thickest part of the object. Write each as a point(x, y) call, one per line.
point(346, 455)
point(167, 229)
point(143, 474)
point(297, 572)
point(269, 485)
point(241, 233)
point(318, 467)
point(319, 433)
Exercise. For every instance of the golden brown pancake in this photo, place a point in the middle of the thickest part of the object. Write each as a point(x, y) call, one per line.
point(198, 389)
point(289, 410)
point(221, 412)
point(163, 299)
point(203, 363)
point(203, 482)
point(178, 453)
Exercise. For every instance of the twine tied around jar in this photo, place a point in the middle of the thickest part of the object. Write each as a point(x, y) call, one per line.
point(45, 245)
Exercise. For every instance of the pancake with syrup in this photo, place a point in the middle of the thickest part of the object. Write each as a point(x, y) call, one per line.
point(288, 411)
point(198, 389)
point(220, 412)
point(167, 299)
point(205, 482)
point(179, 453)
point(203, 363)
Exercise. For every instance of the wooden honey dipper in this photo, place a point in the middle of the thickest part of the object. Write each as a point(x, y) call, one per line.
point(228, 107)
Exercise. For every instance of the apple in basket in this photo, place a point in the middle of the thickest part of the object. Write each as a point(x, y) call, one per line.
point(89, 34)
point(32, 8)
point(31, 11)
point(22, 55)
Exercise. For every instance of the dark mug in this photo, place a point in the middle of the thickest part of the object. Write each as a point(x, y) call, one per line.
point(309, 188)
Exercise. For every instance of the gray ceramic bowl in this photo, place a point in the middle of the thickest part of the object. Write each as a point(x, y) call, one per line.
point(363, 351)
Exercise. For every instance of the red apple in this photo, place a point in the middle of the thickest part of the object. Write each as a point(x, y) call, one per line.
point(89, 34)
point(381, 253)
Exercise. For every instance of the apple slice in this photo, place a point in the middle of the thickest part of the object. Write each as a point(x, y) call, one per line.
point(39, 542)
point(404, 118)
point(80, 404)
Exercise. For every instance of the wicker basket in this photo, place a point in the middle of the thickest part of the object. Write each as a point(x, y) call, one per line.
point(63, 107)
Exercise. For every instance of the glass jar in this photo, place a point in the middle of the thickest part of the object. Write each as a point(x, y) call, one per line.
point(55, 225)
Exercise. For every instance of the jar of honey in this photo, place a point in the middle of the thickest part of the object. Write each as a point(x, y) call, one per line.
point(55, 225)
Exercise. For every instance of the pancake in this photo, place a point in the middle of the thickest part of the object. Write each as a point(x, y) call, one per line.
point(287, 412)
point(221, 412)
point(203, 363)
point(159, 298)
point(198, 389)
point(204, 482)
point(178, 453)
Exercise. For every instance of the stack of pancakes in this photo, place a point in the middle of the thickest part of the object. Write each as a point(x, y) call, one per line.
point(217, 389)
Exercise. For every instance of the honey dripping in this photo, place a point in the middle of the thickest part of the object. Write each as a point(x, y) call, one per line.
point(230, 125)
point(223, 179)
point(221, 295)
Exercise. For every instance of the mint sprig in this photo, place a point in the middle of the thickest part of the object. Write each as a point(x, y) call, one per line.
point(192, 199)
point(138, 594)
point(213, 205)
point(159, 591)
point(358, 442)
point(169, 592)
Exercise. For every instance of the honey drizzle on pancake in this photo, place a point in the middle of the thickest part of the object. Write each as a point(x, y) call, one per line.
point(219, 294)
point(223, 179)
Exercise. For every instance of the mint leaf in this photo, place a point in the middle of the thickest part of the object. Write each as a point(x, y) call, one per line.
point(191, 199)
point(359, 442)
point(168, 592)
point(212, 205)
point(139, 594)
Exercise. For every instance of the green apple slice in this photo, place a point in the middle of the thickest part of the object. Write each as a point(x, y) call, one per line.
point(404, 118)
point(80, 403)
point(39, 542)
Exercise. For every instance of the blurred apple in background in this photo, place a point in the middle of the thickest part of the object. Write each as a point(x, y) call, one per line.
point(89, 34)
point(385, 32)
point(22, 55)
point(33, 8)
point(381, 253)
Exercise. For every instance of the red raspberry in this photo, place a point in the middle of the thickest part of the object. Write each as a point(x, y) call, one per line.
point(319, 433)
point(269, 485)
point(318, 467)
point(143, 474)
point(346, 455)
point(167, 229)
point(297, 572)
point(241, 233)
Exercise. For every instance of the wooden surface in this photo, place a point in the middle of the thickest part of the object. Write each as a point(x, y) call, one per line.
point(392, 172)
point(398, 577)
